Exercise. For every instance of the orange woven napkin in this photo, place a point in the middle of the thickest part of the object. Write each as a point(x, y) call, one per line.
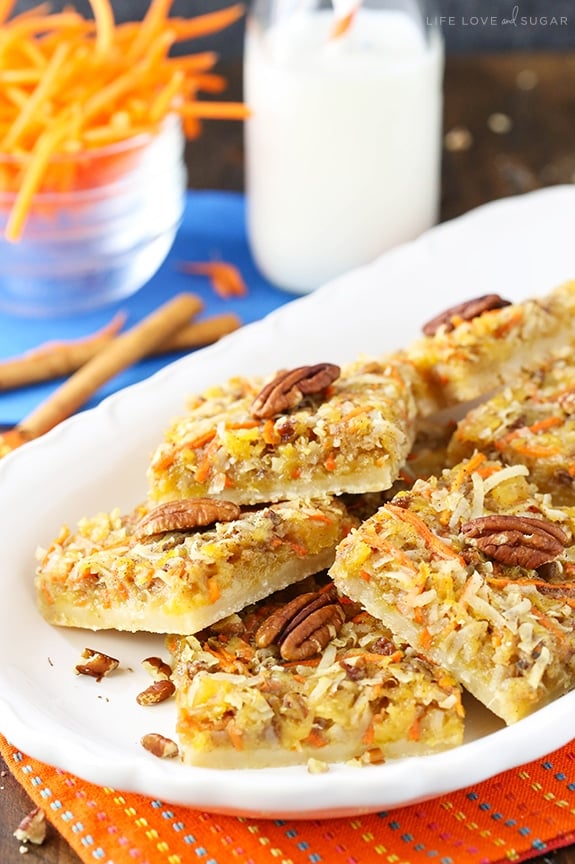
point(515, 816)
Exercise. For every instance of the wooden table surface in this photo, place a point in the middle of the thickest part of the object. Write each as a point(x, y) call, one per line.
point(510, 128)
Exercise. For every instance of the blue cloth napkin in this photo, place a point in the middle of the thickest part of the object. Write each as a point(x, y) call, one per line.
point(213, 228)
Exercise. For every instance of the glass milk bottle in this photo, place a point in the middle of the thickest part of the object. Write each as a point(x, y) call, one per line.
point(343, 146)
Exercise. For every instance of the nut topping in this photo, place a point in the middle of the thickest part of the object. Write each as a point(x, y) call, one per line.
point(157, 692)
point(518, 541)
point(32, 828)
point(157, 668)
point(304, 626)
point(289, 388)
point(465, 311)
point(185, 515)
point(97, 664)
point(158, 745)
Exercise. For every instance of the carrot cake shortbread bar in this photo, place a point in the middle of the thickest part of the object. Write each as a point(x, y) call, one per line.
point(307, 431)
point(311, 677)
point(181, 566)
point(530, 423)
point(474, 569)
point(479, 345)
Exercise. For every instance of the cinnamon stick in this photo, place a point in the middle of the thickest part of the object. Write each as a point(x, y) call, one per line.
point(56, 359)
point(125, 350)
point(60, 359)
point(200, 333)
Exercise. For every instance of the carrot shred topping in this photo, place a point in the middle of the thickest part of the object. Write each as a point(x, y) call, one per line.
point(434, 543)
point(70, 84)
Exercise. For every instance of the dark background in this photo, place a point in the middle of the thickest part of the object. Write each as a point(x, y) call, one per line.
point(462, 31)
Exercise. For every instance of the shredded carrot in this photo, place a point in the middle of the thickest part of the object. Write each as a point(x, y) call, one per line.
point(434, 543)
point(214, 592)
point(70, 85)
point(226, 279)
point(417, 614)
point(153, 22)
point(315, 738)
point(211, 22)
point(47, 143)
point(201, 440)
point(235, 736)
point(163, 463)
point(547, 423)
point(215, 110)
point(515, 440)
point(535, 451)
point(469, 468)
point(549, 624)
point(376, 542)
point(245, 424)
point(209, 82)
point(414, 732)
point(368, 736)
point(203, 470)
point(425, 638)
point(321, 517)
point(5, 9)
point(105, 24)
point(270, 434)
point(355, 412)
point(373, 657)
point(513, 321)
point(330, 464)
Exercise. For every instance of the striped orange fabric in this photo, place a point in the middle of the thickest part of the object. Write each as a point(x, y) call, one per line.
point(514, 816)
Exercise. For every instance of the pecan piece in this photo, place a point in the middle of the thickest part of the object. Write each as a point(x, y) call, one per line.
point(289, 388)
point(304, 626)
point(32, 828)
point(465, 311)
point(97, 664)
point(160, 746)
point(522, 541)
point(157, 692)
point(157, 668)
point(185, 515)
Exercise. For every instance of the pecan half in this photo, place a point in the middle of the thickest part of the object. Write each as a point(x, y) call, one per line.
point(465, 311)
point(185, 515)
point(304, 626)
point(288, 388)
point(522, 541)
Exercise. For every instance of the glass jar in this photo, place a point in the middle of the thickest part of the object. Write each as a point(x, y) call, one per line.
point(343, 146)
point(99, 227)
